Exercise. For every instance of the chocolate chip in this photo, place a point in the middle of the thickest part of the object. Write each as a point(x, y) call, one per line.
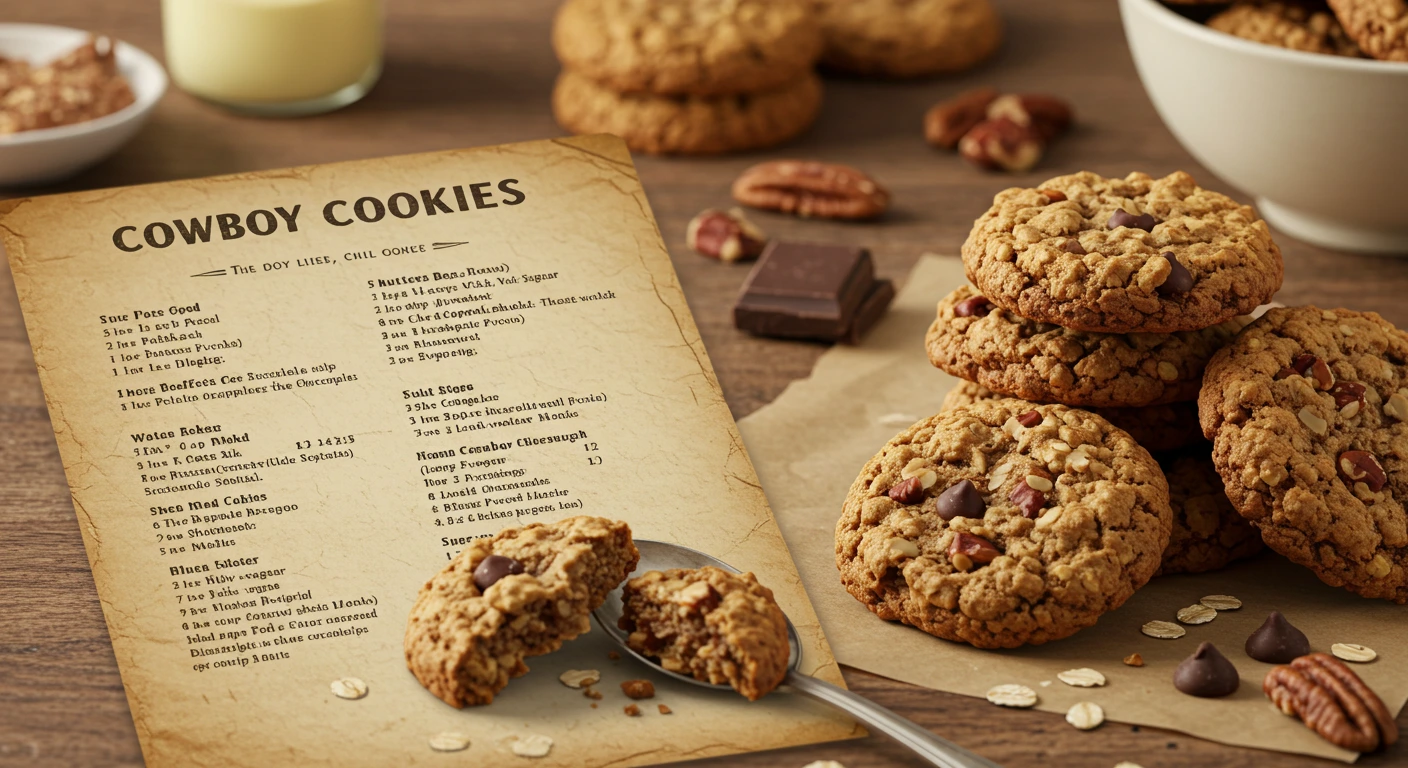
point(1277, 642)
point(1028, 499)
point(1073, 246)
point(1346, 392)
point(1207, 673)
point(978, 306)
point(1122, 218)
point(909, 491)
point(1029, 419)
point(493, 568)
point(1179, 280)
point(1298, 366)
point(962, 500)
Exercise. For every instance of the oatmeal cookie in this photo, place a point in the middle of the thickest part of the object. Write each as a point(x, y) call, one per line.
point(521, 593)
point(1131, 255)
point(693, 125)
point(1157, 428)
point(973, 339)
point(716, 626)
point(908, 38)
point(1380, 27)
point(1308, 413)
point(688, 47)
point(1299, 26)
point(1207, 532)
point(1003, 523)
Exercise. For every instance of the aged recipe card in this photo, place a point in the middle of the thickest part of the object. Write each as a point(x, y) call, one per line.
point(284, 400)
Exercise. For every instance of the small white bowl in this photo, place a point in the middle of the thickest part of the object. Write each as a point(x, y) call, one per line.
point(1321, 141)
point(50, 154)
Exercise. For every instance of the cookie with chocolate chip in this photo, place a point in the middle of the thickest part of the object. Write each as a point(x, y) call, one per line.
point(1207, 531)
point(974, 339)
point(1003, 523)
point(1157, 428)
point(1308, 413)
point(907, 38)
point(521, 593)
point(1380, 27)
point(1131, 255)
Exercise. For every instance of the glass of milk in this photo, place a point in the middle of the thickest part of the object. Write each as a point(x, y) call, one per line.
point(279, 58)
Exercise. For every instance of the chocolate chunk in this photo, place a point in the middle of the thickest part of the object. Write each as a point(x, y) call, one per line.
point(493, 568)
point(973, 306)
point(1277, 642)
point(807, 291)
point(1207, 673)
point(882, 292)
point(1073, 246)
point(1122, 218)
point(1179, 280)
point(961, 500)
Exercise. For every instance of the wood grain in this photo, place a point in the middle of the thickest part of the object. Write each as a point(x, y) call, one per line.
point(465, 74)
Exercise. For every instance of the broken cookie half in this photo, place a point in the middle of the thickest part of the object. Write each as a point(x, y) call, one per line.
point(522, 593)
point(716, 626)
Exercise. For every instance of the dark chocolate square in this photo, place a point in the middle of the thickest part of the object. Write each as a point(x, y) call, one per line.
point(805, 290)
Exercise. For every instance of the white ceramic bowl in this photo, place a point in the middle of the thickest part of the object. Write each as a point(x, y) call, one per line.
point(1320, 141)
point(49, 154)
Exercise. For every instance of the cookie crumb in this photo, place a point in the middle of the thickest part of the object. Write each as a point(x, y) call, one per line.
point(449, 741)
point(532, 745)
point(632, 710)
point(349, 688)
point(614, 656)
point(578, 678)
point(592, 693)
point(638, 689)
point(664, 710)
point(1134, 660)
point(594, 705)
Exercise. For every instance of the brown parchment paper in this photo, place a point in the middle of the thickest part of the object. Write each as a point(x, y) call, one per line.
point(808, 446)
point(623, 364)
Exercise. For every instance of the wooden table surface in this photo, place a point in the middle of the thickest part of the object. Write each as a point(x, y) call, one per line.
point(462, 74)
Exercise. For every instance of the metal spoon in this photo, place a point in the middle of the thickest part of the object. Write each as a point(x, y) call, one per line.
point(660, 555)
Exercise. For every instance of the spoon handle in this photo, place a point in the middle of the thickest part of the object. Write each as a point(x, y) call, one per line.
point(937, 750)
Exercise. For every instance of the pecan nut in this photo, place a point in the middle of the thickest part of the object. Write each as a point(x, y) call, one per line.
point(1047, 116)
point(909, 491)
point(1332, 701)
point(976, 549)
point(725, 235)
point(1362, 467)
point(811, 188)
point(1002, 144)
point(946, 122)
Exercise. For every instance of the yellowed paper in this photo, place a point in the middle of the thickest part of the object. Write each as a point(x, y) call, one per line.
point(285, 399)
point(869, 394)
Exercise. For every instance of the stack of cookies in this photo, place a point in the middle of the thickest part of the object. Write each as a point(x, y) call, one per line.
point(1033, 504)
point(688, 76)
point(1112, 295)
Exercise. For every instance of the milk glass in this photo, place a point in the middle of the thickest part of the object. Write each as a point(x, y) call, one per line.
point(274, 57)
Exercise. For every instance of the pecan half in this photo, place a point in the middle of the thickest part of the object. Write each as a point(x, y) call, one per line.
point(1002, 144)
point(946, 122)
point(724, 235)
point(909, 491)
point(1047, 116)
point(975, 548)
point(1362, 467)
point(1346, 392)
point(1332, 701)
point(811, 188)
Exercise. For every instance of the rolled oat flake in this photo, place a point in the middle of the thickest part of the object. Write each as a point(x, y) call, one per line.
point(1197, 613)
point(1085, 715)
point(1011, 695)
point(1164, 630)
point(348, 688)
point(1221, 602)
point(532, 745)
point(449, 741)
point(1085, 677)
point(1351, 652)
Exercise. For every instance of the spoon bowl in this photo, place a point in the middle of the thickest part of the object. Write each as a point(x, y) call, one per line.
point(661, 556)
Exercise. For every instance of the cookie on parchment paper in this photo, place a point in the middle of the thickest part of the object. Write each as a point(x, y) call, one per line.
point(1308, 413)
point(1131, 255)
point(1207, 531)
point(1003, 524)
point(464, 643)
